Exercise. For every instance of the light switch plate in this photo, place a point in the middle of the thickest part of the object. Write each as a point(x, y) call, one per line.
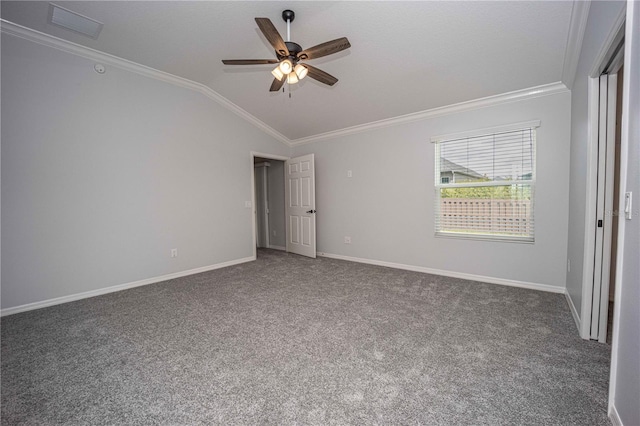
point(628, 207)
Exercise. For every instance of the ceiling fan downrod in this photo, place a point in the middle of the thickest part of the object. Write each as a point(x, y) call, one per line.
point(288, 16)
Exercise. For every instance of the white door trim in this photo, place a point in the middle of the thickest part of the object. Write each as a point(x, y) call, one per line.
point(252, 156)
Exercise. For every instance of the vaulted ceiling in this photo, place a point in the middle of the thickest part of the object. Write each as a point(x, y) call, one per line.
point(405, 57)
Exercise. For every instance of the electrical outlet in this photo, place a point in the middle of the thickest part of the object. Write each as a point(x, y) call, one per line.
point(349, 173)
point(174, 252)
point(247, 204)
point(347, 240)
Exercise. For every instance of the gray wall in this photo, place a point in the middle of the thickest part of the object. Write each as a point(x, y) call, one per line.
point(276, 204)
point(102, 175)
point(626, 350)
point(602, 16)
point(387, 207)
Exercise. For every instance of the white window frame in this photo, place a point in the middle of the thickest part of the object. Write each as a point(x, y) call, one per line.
point(438, 140)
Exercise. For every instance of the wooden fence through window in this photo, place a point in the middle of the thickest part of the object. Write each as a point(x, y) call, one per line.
point(508, 217)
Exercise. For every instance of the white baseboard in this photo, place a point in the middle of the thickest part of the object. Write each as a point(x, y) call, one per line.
point(120, 287)
point(574, 311)
point(278, 248)
point(462, 275)
point(614, 416)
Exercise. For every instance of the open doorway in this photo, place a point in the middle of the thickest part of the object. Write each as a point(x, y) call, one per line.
point(268, 183)
point(283, 192)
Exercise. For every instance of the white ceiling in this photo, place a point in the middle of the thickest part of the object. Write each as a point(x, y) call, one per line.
point(405, 57)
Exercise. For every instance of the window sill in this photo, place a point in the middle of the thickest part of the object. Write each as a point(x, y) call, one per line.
point(484, 237)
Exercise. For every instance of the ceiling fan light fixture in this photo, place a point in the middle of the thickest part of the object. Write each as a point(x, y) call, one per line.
point(277, 73)
point(286, 66)
point(301, 71)
point(292, 78)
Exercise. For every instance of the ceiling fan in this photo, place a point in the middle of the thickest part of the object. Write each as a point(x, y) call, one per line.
point(289, 55)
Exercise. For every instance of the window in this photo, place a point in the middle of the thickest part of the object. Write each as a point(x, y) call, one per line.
point(485, 183)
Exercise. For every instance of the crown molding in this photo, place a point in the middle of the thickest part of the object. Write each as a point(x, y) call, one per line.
point(577, 27)
point(10, 28)
point(518, 95)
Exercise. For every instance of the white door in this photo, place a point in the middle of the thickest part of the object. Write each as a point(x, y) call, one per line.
point(300, 205)
point(604, 207)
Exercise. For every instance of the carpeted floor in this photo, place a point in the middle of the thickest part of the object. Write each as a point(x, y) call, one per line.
point(291, 340)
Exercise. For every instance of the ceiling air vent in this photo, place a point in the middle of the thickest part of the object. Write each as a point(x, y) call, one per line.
point(73, 21)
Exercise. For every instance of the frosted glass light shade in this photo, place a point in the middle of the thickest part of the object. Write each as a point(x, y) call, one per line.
point(286, 66)
point(292, 78)
point(277, 73)
point(301, 71)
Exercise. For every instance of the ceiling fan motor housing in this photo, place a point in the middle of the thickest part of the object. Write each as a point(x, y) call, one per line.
point(294, 49)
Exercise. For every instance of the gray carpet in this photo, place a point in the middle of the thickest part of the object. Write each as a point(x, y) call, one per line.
point(291, 340)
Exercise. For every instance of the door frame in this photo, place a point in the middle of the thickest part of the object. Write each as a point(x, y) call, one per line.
point(603, 60)
point(252, 156)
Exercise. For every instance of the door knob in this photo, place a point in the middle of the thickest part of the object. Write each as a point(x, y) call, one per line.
point(311, 211)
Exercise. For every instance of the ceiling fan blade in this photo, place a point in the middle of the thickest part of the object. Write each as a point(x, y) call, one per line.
point(324, 49)
point(248, 61)
point(277, 84)
point(272, 35)
point(321, 76)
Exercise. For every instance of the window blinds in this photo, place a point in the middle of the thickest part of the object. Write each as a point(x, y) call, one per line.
point(485, 185)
